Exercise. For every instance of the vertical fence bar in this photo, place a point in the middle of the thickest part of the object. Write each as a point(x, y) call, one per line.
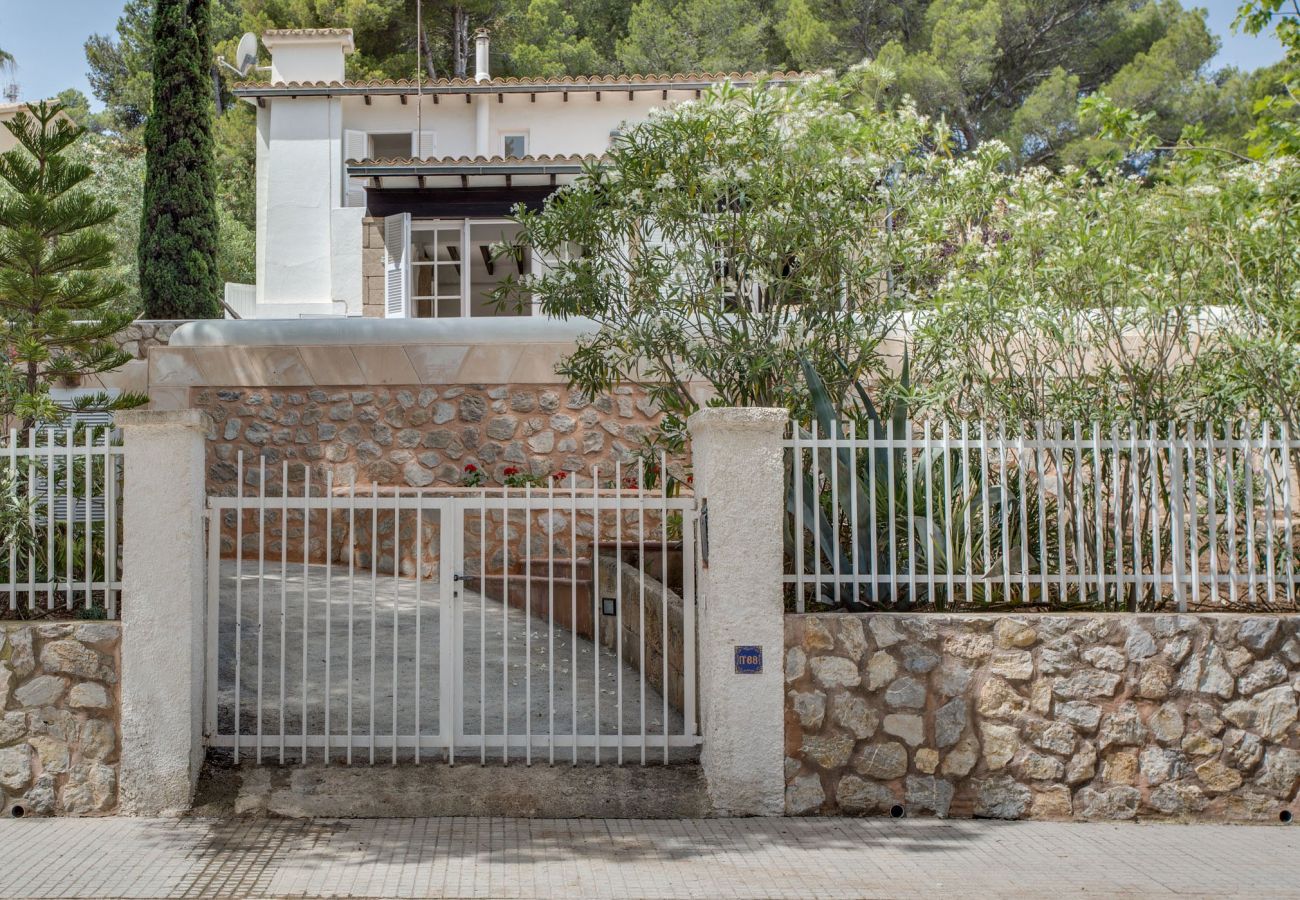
point(284, 597)
point(239, 594)
point(306, 595)
point(482, 625)
point(833, 462)
point(796, 472)
point(12, 475)
point(1211, 490)
point(929, 541)
point(352, 582)
point(89, 536)
point(1136, 512)
point(1252, 561)
point(329, 607)
point(855, 527)
point(640, 565)
point(1177, 498)
point(1156, 481)
point(528, 629)
point(573, 613)
point(816, 522)
point(1005, 517)
point(1116, 513)
point(110, 529)
point(1022, 471)
point(891, 477)
point(598, 603)
point(663, 592)
point(1230, 508)
point(49, 519)
point(986, 508)
point(419, 617)
point(873, 473)
point(505, 624)
point(397, 604)
point(1098, 511)
point(689, 524)
point(550, 617)
point(261, 612)
point(69, 512)
point(909, 534)
point(374, 606)
point(1080, 501)
point(1266, 463)
point(1193, 531)
point(1288, 447)
point(618, 602)
point(948, 511)
point(1062, 513)
point(968, 533)
point(211, 722)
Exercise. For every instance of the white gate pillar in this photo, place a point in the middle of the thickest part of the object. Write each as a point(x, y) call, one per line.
point(163, 620)
point(739, 474)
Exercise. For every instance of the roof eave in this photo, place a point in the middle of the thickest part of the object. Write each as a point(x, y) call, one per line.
point(250, 92)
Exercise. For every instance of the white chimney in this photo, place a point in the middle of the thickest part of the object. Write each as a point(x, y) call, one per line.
point(308, 55)
point(482, 109)
point(481, 66)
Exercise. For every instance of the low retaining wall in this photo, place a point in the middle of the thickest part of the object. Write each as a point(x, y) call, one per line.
point(1054, 717)
point(59, 728)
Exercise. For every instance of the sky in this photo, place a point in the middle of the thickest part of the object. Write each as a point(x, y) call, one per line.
point(46, 38)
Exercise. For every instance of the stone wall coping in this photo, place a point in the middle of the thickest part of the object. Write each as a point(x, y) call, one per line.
point(355, 331)
point(196, 419)
point(1030, 616)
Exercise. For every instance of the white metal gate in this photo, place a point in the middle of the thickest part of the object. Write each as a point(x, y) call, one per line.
point(539, 622)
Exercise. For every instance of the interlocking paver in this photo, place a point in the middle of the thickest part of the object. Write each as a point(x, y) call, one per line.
point(742, 858)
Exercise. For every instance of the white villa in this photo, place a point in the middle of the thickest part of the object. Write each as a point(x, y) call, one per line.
point(383, 198)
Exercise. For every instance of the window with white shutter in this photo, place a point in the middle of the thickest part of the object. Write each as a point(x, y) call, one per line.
point(355, 146)
point(397, 266)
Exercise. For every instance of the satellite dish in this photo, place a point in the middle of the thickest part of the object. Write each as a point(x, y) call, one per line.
point(246, 54)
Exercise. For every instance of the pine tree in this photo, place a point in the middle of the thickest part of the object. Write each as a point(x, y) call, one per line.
point(178, 234)
point(58, 307)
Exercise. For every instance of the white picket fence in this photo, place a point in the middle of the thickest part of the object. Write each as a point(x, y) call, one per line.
point(1135, 516)
point(387, 624)
point(64, 514)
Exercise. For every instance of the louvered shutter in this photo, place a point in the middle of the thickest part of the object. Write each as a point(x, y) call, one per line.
point(423, 144)
point(355, 146)
point(397, 266)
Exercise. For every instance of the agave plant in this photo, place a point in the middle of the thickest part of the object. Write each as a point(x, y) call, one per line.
point(891, 526)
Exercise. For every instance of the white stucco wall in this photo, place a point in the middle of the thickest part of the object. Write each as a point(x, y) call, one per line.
point(164, 625)
point(739, 476)
point(302, 60)
point(303, 174)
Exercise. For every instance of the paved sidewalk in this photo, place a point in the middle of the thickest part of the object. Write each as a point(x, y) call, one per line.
point(624, 858)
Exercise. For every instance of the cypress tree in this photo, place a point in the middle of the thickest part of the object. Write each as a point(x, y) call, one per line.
point(178, 234)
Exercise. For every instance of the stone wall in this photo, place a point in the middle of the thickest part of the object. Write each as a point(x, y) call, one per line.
point(144, 334)
point(420, 436)
point(59, 702)
point(1055, 716)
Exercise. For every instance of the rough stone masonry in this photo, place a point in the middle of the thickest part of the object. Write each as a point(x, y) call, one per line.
point(58, 717)
point(1057, 716)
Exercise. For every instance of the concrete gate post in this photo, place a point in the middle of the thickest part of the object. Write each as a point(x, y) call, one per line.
point(163, 618)
point(739, 476)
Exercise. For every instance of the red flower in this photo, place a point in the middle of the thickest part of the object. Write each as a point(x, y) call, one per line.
point(560, 476)
point(510, 470)
point(470, 467)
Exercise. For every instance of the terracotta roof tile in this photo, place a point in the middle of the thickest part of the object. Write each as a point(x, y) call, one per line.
point(540, 159)
point(578, 82)
point(307, 32)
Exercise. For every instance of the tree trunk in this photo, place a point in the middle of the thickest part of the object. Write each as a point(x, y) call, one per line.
point(459, 39)
point(429, 66)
